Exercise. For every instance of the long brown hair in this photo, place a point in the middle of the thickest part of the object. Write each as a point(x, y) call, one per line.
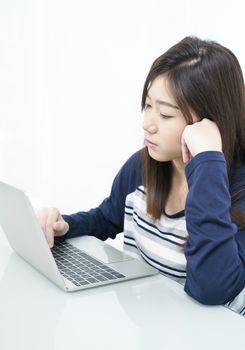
point(206, 79)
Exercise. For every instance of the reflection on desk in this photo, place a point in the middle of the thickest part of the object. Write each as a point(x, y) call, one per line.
point(152, 312)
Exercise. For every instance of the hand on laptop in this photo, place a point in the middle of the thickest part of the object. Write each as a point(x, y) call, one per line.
point(52, 224)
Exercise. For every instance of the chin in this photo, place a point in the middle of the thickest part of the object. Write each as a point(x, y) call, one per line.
point(158, 157)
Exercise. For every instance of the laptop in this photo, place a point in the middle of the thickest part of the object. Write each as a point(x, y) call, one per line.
point(72, 264)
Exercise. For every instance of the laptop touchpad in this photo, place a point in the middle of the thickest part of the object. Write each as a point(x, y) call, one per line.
point(107, 254)
point(99, 250)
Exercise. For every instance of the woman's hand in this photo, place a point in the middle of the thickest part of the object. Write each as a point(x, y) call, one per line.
point(52, 224)
point(199, 137)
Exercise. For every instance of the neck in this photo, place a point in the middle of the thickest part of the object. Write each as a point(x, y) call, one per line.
point(179, 170)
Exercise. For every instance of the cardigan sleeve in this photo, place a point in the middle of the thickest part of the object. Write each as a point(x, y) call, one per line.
point(215, 248)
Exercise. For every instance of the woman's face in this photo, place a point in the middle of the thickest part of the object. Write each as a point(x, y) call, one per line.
point(163, 122)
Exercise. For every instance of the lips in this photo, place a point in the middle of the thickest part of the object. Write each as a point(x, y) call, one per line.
point(151, 143)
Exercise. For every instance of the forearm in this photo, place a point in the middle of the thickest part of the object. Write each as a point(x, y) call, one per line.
point(92, 223)
point(215, 272)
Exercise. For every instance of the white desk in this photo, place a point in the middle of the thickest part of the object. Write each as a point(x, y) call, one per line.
point(148, 313)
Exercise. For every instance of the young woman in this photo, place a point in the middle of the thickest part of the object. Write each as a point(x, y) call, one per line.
point(180, 200)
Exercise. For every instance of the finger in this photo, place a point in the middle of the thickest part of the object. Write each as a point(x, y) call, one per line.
point(66, 225)
point(50, 236)
point(51, 219)
point(60, 227)
point(184, 150)
point(42, 218)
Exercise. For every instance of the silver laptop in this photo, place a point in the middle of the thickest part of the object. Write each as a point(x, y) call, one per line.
point(72, 264)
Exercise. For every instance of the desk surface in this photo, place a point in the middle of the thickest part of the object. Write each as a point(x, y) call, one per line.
point(148, 313)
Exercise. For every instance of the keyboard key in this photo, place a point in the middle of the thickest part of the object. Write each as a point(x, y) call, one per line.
point(108, 275)
point(101, 278)
point(92, 280)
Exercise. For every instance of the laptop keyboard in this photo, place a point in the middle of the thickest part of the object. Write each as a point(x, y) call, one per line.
point(80, 268)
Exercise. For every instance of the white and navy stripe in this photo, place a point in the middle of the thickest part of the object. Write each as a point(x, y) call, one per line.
point(158, 243)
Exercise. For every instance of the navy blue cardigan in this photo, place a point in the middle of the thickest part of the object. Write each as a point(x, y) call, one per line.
point(215, 249)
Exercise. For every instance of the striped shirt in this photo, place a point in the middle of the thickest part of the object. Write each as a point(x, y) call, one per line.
point(160, 244)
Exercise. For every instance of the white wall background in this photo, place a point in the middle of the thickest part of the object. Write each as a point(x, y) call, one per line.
point(71, 79)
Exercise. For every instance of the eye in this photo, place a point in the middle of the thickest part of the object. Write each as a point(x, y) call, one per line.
point(146, 106)
point(165, 116)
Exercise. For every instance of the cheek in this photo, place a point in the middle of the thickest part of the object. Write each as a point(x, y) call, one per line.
point(179, 134)
point(172, 136)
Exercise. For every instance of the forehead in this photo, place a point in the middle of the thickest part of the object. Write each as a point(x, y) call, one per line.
point(159, 91)
point(160, 88)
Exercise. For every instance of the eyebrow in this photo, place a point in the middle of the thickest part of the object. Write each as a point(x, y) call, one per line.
point(164, 103)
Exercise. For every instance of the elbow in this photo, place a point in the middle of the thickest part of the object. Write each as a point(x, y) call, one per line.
point(212, 294)
point(211, 298)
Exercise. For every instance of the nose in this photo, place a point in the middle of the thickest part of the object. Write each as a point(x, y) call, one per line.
point(149, 124)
